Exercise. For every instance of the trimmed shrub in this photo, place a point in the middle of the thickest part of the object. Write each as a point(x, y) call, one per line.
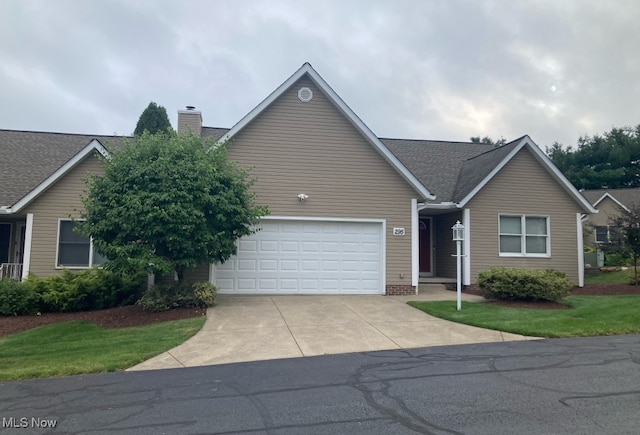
point(524, 284)
point(165, 296)
point(93, 289)
point(16, 299)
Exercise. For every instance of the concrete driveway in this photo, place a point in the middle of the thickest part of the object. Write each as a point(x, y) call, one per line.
point(251, 328)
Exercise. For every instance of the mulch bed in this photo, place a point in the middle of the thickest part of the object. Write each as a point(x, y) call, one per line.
point(121, 317)
point(134, 315)
point(587, 290)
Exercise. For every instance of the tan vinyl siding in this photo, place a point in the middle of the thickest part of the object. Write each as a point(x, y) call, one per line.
point(199, 274)
point(607, 209)
point(523, 186)
point(445, 246)
point(312, 148)
point(60, 201)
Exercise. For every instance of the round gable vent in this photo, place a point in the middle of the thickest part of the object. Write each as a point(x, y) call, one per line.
point(305, 95)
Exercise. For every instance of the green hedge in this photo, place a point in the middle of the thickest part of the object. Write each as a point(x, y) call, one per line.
point(16, 299)
point(524, 284)
point(162, 297)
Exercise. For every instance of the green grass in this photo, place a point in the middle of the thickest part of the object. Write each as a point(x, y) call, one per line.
point(73, 348)
point(588, 316)
point(597, 277)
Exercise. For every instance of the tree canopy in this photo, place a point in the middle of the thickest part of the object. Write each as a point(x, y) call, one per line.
point(609, 161)
point(153, 119)
point(168, 202)
point(625, 228)
point(488, 140)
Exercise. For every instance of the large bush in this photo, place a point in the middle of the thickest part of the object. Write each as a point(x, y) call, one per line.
point(17, 299)
point(92, 289)
point(162, 297)
point(524, 284)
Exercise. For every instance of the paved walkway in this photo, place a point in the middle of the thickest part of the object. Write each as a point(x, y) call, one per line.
point(251, 328)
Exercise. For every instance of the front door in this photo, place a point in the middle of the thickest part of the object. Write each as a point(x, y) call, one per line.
point(426, 247)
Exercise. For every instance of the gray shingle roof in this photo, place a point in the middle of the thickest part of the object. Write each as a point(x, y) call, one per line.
point(29, 157)
point(476, 168)
point(450, 170)
point(214, 132)
point(627, 197)
point(437, 164)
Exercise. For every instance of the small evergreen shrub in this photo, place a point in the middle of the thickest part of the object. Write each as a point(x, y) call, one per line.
point(524, 284)
point(613, 259)
point(93, 289)
point(631, 276)
point(16, 299)
point(165, 296)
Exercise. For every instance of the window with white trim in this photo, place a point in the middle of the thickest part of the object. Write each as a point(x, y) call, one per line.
point(75, 250)
point(606, 234)
point(523, 236)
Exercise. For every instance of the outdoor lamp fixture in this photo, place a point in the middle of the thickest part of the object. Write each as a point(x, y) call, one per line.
point(458, 237)
point(302, 197)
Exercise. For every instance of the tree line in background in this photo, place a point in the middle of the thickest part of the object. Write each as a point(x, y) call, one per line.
point(607, 161)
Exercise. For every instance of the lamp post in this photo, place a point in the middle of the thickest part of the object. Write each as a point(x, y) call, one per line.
point(458, 237)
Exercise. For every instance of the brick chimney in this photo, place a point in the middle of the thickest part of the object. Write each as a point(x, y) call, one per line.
point(190, 120)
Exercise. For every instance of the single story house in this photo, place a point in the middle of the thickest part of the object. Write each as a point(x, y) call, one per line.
point(351, 213)
point(597, 228)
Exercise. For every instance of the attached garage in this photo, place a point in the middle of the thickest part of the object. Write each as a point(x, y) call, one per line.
point(307, 256)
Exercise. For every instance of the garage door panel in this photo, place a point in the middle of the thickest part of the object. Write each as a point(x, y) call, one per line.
point(309, 257)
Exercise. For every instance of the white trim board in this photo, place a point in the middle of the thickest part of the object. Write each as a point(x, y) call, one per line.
point(335, 99)
point(545, 162)
point(92, 146)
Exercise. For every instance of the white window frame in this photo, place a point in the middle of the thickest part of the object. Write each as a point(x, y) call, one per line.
point(91, 249)
point(523, 236)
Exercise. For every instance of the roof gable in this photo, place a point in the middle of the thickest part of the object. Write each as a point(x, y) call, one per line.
point(33, 161)
point(342, 107)
point(500, 160)
point(625, 198)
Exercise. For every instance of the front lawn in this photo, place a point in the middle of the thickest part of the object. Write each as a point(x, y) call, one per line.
point(588, 316)
point(595, 276)
point(81, 347)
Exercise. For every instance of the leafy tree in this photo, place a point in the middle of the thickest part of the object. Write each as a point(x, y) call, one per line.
point(168, 203)
point(154, 119)
point(488, 140)
point(626, 237)
point(609, 161)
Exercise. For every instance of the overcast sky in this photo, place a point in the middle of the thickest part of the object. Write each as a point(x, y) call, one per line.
point(427, 69)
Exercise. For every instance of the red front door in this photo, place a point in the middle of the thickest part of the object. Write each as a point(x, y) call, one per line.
point(425, 246)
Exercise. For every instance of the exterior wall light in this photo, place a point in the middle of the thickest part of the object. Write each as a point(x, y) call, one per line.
point(302, 197)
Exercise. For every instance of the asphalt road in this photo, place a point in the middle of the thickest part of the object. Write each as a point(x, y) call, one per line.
point(581, 386)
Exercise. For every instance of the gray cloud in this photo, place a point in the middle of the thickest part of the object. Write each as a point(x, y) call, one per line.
point(409, 68)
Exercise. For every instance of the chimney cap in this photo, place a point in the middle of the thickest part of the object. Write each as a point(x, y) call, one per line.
point(191, 107)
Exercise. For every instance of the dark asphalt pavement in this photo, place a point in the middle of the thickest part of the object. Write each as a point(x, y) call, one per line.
point(562, 386)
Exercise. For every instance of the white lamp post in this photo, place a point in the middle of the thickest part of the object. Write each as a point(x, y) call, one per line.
point(458, 237)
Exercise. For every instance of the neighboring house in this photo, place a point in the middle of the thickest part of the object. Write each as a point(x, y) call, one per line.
point(351, 213)
point(609, 203)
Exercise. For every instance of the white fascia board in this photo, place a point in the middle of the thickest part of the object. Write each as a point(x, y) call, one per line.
point(346, 111)
point(94, 145)
point(612, 198)
point(546, 163)
point(439, 206)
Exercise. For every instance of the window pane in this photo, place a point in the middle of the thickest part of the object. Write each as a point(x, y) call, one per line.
point(73, 254)
point(98, 258)
point(510, 225)
point(601, 234)
point(68, 235)
point(510, 244)
point(536, 244)
point(536, 225)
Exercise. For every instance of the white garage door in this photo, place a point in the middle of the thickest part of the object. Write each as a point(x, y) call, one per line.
point(306, 257)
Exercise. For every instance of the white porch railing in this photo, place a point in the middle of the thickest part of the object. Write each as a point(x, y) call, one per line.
point(11, 271)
